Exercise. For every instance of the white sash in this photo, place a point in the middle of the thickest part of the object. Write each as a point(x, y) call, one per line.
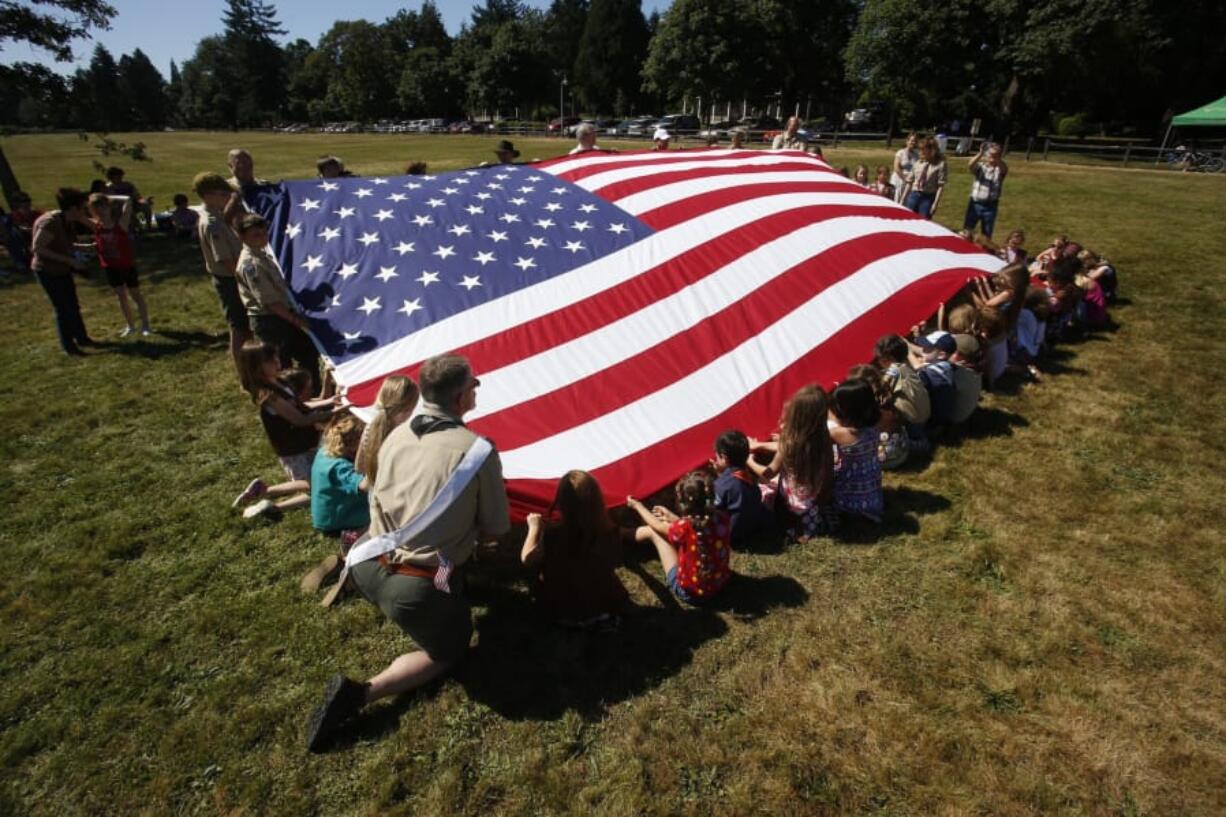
point(368, 548)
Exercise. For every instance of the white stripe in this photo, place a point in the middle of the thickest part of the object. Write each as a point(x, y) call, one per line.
point(598, 181)
point(724, 381)
point(618, 341)
point(646, 157)
point(665, 194)
point(540, 299)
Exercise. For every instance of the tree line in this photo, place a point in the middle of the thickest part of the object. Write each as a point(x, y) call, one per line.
point(1023, 65)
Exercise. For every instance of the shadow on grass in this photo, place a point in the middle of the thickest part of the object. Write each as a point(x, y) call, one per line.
point(903, 508)
point(158, 347)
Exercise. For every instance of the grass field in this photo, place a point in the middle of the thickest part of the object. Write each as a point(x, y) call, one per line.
point(1040, 630)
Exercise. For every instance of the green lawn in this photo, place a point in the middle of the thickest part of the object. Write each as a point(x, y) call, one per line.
point(1041, 630)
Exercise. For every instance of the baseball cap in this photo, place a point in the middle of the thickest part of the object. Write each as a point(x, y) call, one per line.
point(660, 134)
point(941, 341)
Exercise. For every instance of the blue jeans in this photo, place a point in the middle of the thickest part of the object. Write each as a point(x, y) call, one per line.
point(62, 291)
point(980, 212)
point(921, 203)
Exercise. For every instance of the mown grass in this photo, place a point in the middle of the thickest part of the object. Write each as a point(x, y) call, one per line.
point(1037, 631)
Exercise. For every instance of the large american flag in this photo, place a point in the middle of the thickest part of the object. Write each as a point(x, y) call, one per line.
point(621, 309)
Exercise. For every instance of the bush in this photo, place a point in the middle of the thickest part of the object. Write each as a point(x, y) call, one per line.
point(1076, 124)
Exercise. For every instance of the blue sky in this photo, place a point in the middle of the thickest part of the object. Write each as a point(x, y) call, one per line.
point(170, 31)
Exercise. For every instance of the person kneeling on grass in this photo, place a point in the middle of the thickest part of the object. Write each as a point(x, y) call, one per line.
point(695, 548)
point(438, 493)
point(291, 426)
point(338, 492)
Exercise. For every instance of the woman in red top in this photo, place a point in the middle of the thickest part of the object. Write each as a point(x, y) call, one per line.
point(117, 260)
point(695, 548)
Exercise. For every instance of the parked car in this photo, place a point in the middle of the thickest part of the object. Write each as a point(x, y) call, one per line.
point(643, 126)
point(559, 125)
point(679, 123)
point(717, 130)
point(870, 117)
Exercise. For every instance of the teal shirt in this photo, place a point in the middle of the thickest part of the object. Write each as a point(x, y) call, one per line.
point(336, 501)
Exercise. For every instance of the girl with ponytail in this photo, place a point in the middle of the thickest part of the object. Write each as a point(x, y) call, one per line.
point(694, 547)
point(395, 403)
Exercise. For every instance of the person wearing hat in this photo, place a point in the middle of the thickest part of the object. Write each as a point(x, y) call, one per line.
point(968, 382)
point(330, 167)
point(661, 138)
point(506, 152)
point(937, 374)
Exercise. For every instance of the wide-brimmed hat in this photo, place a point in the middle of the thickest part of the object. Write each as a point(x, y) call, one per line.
point(661, 135)
point(506, 146)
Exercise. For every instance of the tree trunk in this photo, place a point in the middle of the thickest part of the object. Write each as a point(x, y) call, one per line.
point(8, 181)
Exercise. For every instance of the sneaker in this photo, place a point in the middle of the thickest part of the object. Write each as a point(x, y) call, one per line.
point(128, 330)
point(254, 490)
point(343, 698)
point(259, 509)
point(146, 331)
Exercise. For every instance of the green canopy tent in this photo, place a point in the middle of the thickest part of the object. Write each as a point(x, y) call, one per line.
point(1213, 114)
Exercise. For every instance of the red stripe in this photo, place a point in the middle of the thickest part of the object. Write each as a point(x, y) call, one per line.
point(682, 354)
point(575, 320)
point(649, 181)
point(659, 465)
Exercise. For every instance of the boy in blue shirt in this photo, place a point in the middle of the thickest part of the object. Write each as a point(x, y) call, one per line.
point(937, 374)
point(736, 487)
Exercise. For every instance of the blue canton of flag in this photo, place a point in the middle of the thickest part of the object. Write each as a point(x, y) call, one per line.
point(371, 260)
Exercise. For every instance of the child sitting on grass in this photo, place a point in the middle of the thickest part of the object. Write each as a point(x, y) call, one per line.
point(937, 374)
point(891, 355)
point(803, 460)
point(857, 469)
point(968, 382)
point(338, 492)
point(395, 403)
point(1027, 344)
point(574, 560)
point(736, 487)
point(893, 445)
point(694, 547)
point(290, 425)
point(118, 261)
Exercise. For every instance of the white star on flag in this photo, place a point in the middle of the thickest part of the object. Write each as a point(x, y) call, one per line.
point(474, 210)
point(369, 305)
point(496, 236)
point(369, 238)
point(527, 188)
point(378, 181)
point(292, 230)
point(450, 191)
point(330, 233)
point(412, 186)
point(351, 337)
point(313, 262)
point(494, 186)
point(410, 306)
point(471, 281)
point(517, 201)
point(483, 258)
point(617, 228)
point(397, 197)
point(386, 274)
point(509, 217)
point(363, 192)
point(444, 251)
point(534, 178)
point(422, 221)
point(587, 208)
point(345, 212)
point(483, 196)
point(501, 176)
point(543, 223)
point(329, 186)
point(535, 243)
point(383, 215)
point(553, 207)
point(574, 246)
point(336, 300)
point(525, 263)
point(427, 278)
point(557, 191)
point(404, 248)
point(347, 271)
point(436, 202)
point(459, 229)
point(581, 226)
point(309, 204)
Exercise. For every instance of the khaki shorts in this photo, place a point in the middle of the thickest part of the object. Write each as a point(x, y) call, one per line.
point(440, 623)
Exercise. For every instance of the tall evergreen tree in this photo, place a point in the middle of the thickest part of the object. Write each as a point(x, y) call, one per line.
point(251, 27)
point(611, 52)
point(564, 24)
point(141, 84)
point(107, 105)
point(174, 90)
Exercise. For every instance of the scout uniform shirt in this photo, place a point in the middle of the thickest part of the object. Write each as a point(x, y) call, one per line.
point(412, 470)
point(260, 282)
point(218, 243)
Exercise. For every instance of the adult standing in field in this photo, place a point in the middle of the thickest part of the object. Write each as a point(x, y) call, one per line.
point(54, 261)
point(790, 138)
point(585, 134)
point(904, 159)
point(927, 180)
point(242, 166)
point(220, 246)
point(506, 152)
point(988, 171)
point(438, 492)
